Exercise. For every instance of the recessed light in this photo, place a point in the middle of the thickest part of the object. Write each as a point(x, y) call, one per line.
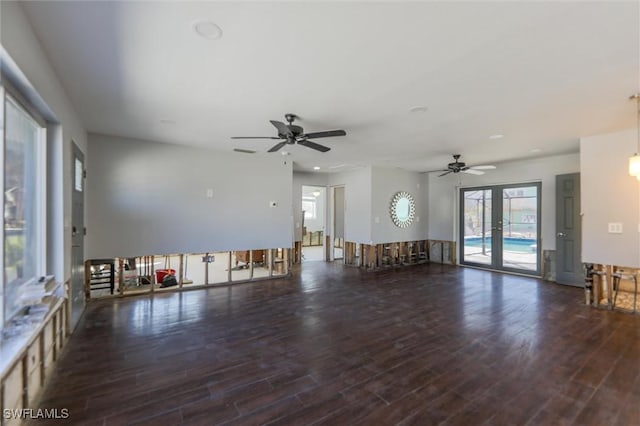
point(496, 136)
point(316, 167)
point(167, 121)
point(534, 150)
point(418, 108)
point(208, 30)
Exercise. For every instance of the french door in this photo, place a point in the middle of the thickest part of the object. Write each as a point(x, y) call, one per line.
point(500, 227)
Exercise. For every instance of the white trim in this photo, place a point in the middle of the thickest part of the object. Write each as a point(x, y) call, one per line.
point(2, 189)
point(41, 208)
point(23, 103)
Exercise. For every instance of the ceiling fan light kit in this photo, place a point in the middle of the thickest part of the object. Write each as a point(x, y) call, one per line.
point(292, 134)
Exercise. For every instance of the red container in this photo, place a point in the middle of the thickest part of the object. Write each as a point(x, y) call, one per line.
point(161, 273)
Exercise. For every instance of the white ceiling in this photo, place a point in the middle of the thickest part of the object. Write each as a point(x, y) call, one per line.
point(541, 73)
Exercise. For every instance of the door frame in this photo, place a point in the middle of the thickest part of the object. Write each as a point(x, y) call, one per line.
point(497, 218)
point(333, 221)
point(325, 218)
point(77, 299)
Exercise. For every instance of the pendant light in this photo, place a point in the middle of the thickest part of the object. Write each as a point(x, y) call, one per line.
point(634, 160)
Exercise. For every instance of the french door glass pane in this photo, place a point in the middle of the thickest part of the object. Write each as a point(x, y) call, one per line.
point(477, 224)
point(519, 230)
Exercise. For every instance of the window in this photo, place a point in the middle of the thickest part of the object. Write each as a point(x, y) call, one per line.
point(23, 204)
point(78, 175)
point(309, 207)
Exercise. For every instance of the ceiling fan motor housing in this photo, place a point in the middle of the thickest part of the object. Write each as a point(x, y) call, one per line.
point(456, 166)
point(296, 130)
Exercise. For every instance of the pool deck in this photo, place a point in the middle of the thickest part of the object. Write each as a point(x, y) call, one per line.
point(514, 260)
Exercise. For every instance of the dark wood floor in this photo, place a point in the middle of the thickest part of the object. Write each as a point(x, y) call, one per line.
point(424, 345)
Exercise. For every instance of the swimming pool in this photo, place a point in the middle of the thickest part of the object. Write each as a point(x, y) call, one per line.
point(518, 245)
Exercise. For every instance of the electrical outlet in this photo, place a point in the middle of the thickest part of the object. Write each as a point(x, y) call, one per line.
point(615, 228)
point(209, 192)
point(377, 219)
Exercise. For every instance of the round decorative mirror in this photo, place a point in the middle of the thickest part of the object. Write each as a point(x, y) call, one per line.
point(403, 209)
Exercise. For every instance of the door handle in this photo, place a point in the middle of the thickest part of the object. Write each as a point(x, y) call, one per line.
point(561, 234)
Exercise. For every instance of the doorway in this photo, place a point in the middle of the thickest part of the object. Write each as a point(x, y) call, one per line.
point(314, 206)
point(500, 227)
point(337, 236)
point(77, 234)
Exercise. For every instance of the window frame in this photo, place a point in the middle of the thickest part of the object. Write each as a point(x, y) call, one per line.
point(8, 93)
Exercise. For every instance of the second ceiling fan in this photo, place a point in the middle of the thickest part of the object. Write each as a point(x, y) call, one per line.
point(292, 134)
point(459, 166)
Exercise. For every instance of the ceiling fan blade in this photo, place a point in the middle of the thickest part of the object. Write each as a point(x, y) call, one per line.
point(277, 146)
point(282, 128)
point(313, 145)
point(327, 134)
point(483, 167)
point(473, 172)
point(253, 137)
point(445, 173)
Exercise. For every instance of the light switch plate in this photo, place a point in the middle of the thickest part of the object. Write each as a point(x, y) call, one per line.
point(615, 228)
point(209, 192)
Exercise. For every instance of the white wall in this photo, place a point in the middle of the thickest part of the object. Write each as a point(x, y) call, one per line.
point(385, 184)
point(443, 192)
point(20, 43)
point(609, 195)
point(150, 198)
point(357, 194)
point(441, 208)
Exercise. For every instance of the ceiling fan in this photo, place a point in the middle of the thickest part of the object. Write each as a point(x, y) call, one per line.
point(459, 166)
point(292, 134)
